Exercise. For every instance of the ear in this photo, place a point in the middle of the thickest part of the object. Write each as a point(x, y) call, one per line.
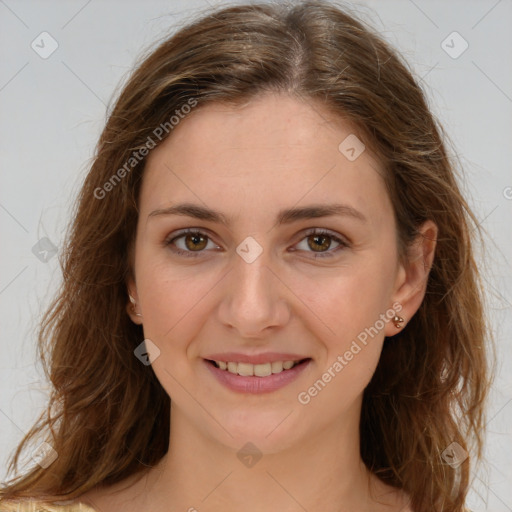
point(412, 276)
point(132, 306)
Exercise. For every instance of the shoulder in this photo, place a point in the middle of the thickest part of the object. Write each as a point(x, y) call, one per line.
point(42, 506)
point(98, 499)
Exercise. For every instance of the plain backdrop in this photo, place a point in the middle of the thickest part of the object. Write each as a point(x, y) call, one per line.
point(53, 107)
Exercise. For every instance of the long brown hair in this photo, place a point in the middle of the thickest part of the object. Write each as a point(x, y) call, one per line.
point(108, 416)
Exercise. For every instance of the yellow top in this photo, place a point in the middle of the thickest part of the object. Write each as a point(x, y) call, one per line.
point(40, 506)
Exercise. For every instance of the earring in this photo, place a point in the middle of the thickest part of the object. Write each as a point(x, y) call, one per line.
point(397, 320)
point(132, 300)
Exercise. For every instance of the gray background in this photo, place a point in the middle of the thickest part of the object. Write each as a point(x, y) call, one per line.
point(52, 111)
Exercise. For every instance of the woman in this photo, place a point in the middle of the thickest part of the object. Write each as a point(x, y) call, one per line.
point(272, 210)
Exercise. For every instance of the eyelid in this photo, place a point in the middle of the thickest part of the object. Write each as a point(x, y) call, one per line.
point(186, 231)
point(324, 231)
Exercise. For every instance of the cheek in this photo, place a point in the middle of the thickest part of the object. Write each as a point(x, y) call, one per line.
point(347, 300)
point(349, 333)
point(347, 311)
point(170, 299)
point(174, 310)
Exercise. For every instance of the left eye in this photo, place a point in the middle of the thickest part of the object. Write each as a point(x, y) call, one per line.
point(320, 242)
point(192, 243)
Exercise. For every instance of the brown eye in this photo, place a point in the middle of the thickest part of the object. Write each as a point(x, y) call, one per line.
point(195, 241)
point(190, 243)
point(319, 243)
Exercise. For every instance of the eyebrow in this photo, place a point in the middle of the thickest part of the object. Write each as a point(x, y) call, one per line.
point(286, 216)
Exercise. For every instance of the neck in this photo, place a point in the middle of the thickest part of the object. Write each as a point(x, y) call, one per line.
point(325, 472)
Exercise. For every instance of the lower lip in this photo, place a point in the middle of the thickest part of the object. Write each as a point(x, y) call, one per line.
point(252, 384)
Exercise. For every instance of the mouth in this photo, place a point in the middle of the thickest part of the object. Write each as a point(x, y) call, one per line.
point(256, 378)
point(256, 370)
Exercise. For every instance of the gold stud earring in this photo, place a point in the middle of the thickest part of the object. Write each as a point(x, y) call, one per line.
point(398, 320)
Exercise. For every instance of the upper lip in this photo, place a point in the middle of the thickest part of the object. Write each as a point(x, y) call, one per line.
point(267, 357)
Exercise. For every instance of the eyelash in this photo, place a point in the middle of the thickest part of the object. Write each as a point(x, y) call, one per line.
point(314, 231)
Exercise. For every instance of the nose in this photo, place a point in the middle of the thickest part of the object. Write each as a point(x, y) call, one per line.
point(254, 299)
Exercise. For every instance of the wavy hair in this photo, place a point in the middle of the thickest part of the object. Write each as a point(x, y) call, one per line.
point(108, 416)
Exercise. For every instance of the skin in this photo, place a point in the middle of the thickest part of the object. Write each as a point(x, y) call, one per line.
point(250, 162)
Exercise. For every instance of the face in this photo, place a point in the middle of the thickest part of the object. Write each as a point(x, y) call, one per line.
point(271, 273)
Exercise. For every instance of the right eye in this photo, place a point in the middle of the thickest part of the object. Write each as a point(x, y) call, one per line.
point(191, 243)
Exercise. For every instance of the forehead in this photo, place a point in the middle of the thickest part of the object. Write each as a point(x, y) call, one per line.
point(275, 149)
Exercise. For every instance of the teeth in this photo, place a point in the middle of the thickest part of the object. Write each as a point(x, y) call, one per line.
point(258, 370)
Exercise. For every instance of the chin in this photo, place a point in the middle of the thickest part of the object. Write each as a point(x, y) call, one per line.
point(270, 432)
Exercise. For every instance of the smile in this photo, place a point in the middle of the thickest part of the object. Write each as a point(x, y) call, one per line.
point(256, 378)
point(258, 370)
